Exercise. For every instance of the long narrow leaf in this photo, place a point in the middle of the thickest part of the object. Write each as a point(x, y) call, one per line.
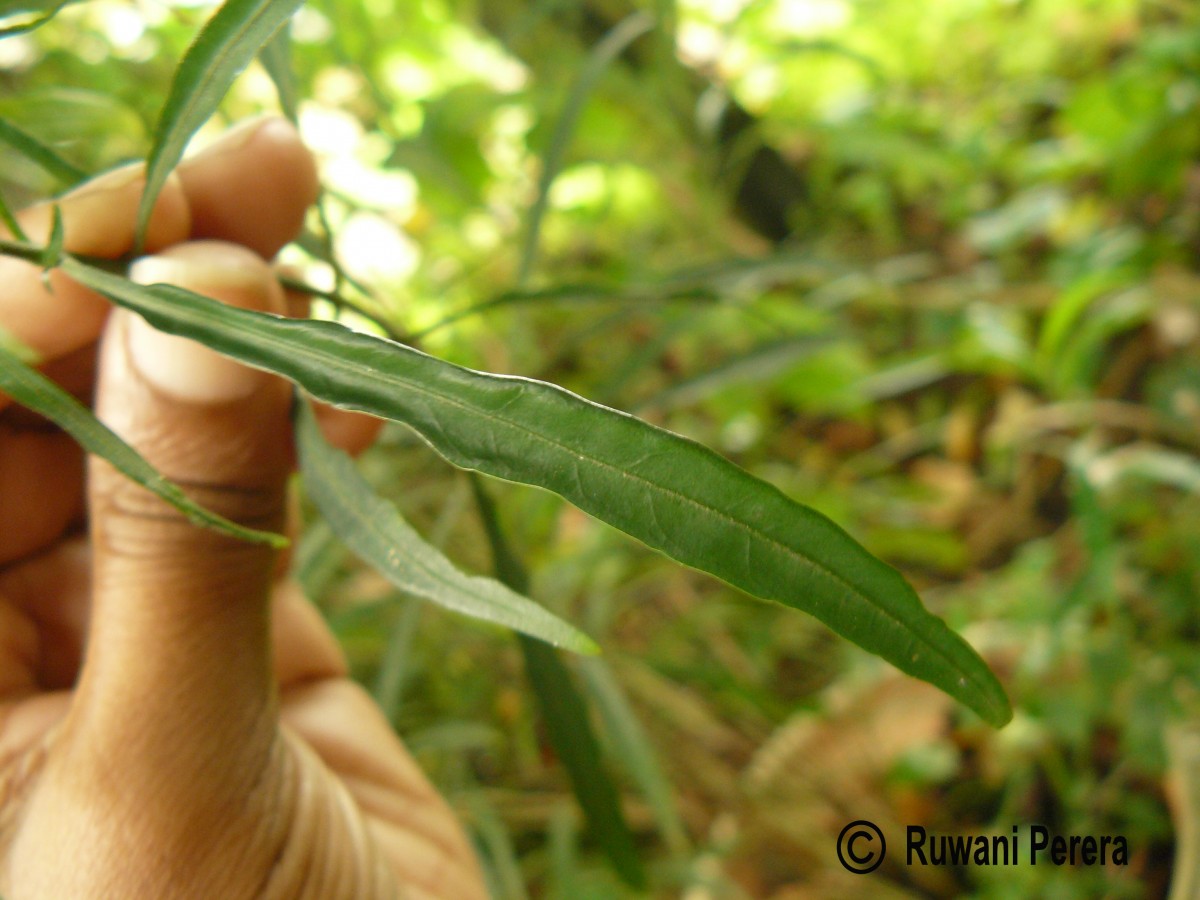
point(671, 493)
point(565, 711)
point(396, 663)
point(42, 154)
point(21, 351)
point(635, 751)
point(227, 43)
point(276, 58)
point(54, 246)
point(502, 870)
point(757, 365)
point(9, 221)
point(48, 8)
point(28, 7)
point(614, 43)
point(372, 528)
point(34, 390)
point(565, 714)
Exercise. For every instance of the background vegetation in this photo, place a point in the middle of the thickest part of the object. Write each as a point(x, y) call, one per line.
point(927, 267)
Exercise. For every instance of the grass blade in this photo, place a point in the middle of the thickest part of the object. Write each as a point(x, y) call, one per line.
point(614, 43)
point(635, 751)
point(34, 390)
point(397, 661)
point(676, 496)
point(565, 713)
point(45, 156)
point(276, 58)
point(757, 365)
point(373, 529)
point(227, 43)
point(48, 9)
point(9, 221)
point(502, 870)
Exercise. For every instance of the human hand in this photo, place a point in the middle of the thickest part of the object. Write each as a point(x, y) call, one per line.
point(175, 719)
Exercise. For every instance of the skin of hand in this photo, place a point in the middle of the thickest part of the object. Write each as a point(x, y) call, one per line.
point(176, 720)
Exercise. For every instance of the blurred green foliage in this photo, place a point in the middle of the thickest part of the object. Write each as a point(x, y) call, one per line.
point(925, 266)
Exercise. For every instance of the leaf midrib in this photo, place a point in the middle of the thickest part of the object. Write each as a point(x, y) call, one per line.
point(210, 70)
point(209, 318)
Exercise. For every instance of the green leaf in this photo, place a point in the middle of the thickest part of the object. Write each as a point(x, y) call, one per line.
point(42, 154)
point(54, 247)
point(222, 50)
point(276, 58)
point(565, 711)
point(613, 45)
point(34, 390)
point(635, 751)
point(396, 662)
point(22, 352)
point(372, 528)
point(673, 494)
point(48, 9)
point(503, 871)
point(25, 7)
point(9, 221)
point(97, 129)
point(755, 366)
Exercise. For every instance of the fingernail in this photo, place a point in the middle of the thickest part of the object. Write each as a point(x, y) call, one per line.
point(179, 366)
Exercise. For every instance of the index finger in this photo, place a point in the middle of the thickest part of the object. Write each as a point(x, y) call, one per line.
point(98, 219)
point(252, 187)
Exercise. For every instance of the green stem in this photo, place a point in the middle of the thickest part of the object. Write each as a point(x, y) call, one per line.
point(32, 253)
point(22, 250)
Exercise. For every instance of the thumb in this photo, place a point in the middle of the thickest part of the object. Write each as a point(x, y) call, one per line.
point(177, 686)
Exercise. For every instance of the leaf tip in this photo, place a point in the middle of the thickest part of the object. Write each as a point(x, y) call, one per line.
point(1001, 715)
point(276, 541)
point(585, 646)
point(991, 703)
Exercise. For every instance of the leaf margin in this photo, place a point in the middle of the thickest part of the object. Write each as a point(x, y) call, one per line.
point(956, 667)
point(23, 384)
point(345, 498)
